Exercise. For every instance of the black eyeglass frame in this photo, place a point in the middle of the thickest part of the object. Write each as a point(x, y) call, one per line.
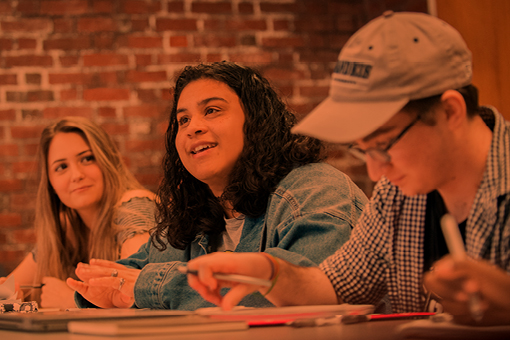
point(380, 155)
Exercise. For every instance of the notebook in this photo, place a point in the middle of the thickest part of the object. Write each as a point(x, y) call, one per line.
point(58, 320)
point(156, 325)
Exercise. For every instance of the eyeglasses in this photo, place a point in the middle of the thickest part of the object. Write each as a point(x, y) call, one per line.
point(380, 155)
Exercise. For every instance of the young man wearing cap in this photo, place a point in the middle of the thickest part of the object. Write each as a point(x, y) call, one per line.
point(401, 96)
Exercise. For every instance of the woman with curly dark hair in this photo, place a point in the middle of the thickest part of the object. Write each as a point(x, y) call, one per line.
point(236, 179)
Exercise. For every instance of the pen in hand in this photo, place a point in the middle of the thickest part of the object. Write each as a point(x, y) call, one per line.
point(31, 286)
point(456, 248)
point(230, 277)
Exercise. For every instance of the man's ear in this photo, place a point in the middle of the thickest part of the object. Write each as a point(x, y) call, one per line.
point(455, 107)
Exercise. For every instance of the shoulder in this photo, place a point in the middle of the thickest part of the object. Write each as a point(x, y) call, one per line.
point(313, 174)
point(130, 194)
point(316, 187)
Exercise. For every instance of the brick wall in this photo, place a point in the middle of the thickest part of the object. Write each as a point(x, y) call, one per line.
point(114, 62)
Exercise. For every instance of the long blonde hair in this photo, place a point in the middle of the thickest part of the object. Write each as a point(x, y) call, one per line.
point(56, 256)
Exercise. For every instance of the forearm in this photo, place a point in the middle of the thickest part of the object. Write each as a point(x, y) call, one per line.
point(301, 286)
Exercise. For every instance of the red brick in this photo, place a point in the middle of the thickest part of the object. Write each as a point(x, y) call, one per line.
point(18, 97)
point(33, 78)
point(107, 112)
point(311, 24)
point(40, 96)
point(147, 95)
point(21, 200)
point(164, 24)
point(258, 58)
point(71, 94)
point(108, 78)
point(268, 7)
point(179, 41)
point(62, 111)
point(30, 115)
point(138, 25)
point(139, 76)
point(8, 79)
point(96, 24)
point(28, 7)
point(103, 6)
point(143, 59)
point(101, 94)
point(9, 150)
point(70, 78)
point(284, 42)
point(116, 129)
point(146, 111)
point(178, 58)
point(167, 94)
point(281, 73)
point(281, 25)
point(245, 8)
point(211, 7)
point(30, 149)
point(24, 236)
point(175, 6)
point(26, 25)
point(145, 42)
point(67, 61)
point(214, 57)
point(24, 167)
point(67, 44)
point(9, 114)
point(7, 185)
point(29, 60)
point(64, 7)
point(144, 145)
point(105, 59)
point(244, 25)
point(6, 44)
point(140, 7)
point(5, 7)
point(27, 44)
point(215, 40)
point(104, 40)
point(65, 25)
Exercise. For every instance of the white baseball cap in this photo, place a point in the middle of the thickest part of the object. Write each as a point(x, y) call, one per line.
point(393, 59)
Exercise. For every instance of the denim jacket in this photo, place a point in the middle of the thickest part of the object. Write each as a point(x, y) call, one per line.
point(309, 216)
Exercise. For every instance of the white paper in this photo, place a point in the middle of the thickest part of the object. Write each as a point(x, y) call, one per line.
point(7, 289)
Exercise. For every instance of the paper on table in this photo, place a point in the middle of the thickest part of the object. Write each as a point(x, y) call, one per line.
point(8, 290)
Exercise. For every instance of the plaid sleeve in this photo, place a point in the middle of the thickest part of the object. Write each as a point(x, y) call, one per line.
point(358, 270)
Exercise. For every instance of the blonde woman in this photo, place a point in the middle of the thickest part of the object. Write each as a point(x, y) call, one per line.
point(88, 206)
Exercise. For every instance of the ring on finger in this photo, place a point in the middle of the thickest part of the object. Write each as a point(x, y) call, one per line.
point(121, 283)
point(115, 272)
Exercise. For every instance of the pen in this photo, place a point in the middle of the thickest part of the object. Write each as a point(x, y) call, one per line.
point(230, 277)
point(455, 245)
point(356, 318)
point(31, 286)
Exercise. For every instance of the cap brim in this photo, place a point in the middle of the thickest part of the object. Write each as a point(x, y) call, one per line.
point(342, 122)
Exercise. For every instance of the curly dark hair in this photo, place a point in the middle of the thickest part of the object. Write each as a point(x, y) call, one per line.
point(186, 205)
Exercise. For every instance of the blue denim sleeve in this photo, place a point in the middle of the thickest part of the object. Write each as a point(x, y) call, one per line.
point(311, 214)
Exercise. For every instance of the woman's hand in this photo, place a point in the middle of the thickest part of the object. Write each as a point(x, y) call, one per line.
point(56, 294)
point(106, 284)
point(250, 264)
point(455, 281)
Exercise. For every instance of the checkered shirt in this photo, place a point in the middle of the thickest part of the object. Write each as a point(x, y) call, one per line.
point(385, 252)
